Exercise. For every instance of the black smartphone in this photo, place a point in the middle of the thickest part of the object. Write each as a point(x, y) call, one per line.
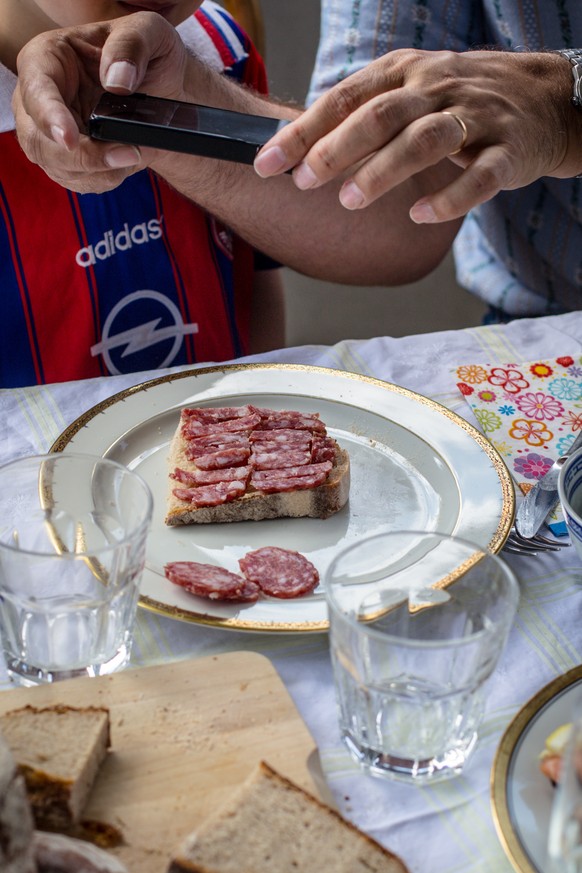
point(139, 119)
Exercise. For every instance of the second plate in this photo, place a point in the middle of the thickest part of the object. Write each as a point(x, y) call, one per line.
point(521, 795)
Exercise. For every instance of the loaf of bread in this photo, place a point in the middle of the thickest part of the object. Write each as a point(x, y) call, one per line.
point(58, 750)
point(16, 824)
point(277, 464)
point(270, 825)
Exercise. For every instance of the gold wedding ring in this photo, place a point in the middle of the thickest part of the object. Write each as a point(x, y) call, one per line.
point(464, 130)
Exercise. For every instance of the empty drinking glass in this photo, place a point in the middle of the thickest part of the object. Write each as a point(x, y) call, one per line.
point(418, 621)
point(73, 534)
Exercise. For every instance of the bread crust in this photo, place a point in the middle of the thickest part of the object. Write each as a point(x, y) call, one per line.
point(272, 825)
point(59, 750)
point(321, 501)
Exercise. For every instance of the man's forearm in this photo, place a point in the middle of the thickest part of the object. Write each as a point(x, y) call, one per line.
point(307, 230)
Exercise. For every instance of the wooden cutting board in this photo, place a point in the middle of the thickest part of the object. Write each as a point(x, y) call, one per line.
point(183, 736)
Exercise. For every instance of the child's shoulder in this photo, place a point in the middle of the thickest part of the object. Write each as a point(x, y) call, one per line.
point(213, 18)
point(213, 34)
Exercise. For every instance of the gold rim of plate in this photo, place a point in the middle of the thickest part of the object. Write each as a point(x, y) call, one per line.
point(510, 841)
point(495, 544)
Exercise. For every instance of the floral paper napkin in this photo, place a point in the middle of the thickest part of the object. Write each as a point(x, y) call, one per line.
point(531, 413)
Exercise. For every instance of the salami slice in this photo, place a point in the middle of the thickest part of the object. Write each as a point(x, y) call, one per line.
point(211, 477)
point(278, 460)
point(291, 478)
point(282, 436)
point(279, 572)
point(210, 495)
point(214, 442)
point(229, 457)
point(264, 412)
point(293, 421)
point(208, 580)
point(282, 484)
point(293, 472)
point(217, 413)
point(271, 446)
point(193, 428)
point(323, 449)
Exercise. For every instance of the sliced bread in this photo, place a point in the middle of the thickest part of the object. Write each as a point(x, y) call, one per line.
point(302, 493)
point(271, 825)
point(58, 750)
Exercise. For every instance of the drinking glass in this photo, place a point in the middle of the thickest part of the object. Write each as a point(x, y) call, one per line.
point(418, 621)
point(73, 534)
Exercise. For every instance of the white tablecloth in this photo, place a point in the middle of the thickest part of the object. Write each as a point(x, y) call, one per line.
point(447, 828)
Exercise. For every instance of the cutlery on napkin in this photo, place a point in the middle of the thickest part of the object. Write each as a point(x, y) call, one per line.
point(530, 412)
point(542, 498)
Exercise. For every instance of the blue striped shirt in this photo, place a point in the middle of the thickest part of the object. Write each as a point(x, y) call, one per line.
point(522, 251)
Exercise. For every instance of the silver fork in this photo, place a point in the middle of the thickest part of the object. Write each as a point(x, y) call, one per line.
point(519, 545)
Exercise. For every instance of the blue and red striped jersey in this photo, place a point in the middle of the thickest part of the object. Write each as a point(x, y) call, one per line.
point(132, 279)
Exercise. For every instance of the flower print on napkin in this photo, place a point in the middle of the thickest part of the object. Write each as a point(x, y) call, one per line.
point(529, 412)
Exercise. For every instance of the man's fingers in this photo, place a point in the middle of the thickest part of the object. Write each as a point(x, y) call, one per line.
point(413, 144)
point(120, 76)
point(105, 164)
point(59, 84)
point(397, 136)
point(138, 49)
point(50, 78)
point(41, 97)
point(285, 150)
point(491, 171)
point(125, 54)
point(332, 110)
point(363, 133)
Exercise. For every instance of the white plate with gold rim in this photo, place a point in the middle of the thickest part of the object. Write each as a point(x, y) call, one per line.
point(521, 795)
point(414, 464)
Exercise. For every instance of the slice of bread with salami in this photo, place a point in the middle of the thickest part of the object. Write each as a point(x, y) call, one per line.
point(245, 463)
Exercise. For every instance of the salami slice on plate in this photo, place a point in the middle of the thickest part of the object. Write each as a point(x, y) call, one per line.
point(193, 428)
point(211, 495)
point(228, 457)
point(277, 460)
point(220, 413)
point(208, 580)
point(214, 443)
point(281, 437)
point(279, 572)
point(196, 478)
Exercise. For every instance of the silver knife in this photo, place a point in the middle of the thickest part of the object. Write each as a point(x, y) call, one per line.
point(542, 498)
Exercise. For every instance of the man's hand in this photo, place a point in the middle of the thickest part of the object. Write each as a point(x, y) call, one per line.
point(61, 74)
point(409, 110)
